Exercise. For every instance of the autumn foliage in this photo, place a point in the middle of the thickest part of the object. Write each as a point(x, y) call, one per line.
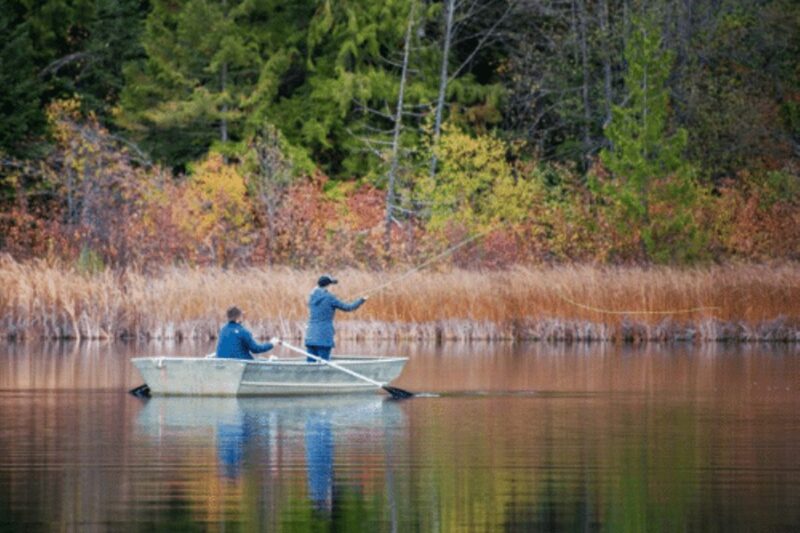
point(96, 241)
point(94, 202)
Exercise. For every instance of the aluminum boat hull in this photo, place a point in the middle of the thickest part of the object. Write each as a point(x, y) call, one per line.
point(186, 376)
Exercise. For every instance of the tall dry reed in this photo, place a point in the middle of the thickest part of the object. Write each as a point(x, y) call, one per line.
point(735, 302)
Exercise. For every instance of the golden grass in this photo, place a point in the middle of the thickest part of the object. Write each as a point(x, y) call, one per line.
point(736, 302)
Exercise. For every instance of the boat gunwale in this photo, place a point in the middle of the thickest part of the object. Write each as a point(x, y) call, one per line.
point(296, 361)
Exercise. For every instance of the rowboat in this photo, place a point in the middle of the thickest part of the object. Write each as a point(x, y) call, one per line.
point(211, 376)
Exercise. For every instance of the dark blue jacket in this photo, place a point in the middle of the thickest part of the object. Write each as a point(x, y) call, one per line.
point(235, 342)
point(322, 305)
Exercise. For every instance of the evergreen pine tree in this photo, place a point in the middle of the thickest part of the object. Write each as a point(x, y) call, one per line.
point(653, 186)
point(20, 115)
point(112, 39)
point(344, 110)
point(61, 49)
point(205, 59)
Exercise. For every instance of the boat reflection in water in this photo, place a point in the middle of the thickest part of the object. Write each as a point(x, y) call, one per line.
point(267, 438)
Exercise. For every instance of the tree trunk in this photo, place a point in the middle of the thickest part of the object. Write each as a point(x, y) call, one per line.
point(645, 186)
point(607, 81)
point(685, 30)
point(271, 211)
point(71, 210)
point(587, 111)
point(223, 123)
point(573, 25)
point(223, 82)
point(626, 21)
point(437, 125)
point(398, 121)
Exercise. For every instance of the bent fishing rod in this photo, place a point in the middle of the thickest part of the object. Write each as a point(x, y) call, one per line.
point(426, 263)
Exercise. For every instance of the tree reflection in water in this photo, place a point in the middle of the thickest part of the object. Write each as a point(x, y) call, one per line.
point(659, 439)
point(260, 442)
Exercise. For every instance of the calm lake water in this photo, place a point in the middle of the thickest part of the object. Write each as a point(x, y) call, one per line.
point(531, 437)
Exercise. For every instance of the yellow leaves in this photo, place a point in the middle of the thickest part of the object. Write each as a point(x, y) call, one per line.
point(58, 109)
point(10, 179)
point(475, 184)
point(215, 201)
point(62, 115)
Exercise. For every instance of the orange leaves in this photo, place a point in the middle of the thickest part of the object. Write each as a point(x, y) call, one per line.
point(756, 217)
point(365, 208)
point(301, 223)
point(336, 229)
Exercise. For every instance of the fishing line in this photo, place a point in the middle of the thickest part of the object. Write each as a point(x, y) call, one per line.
point(615, 312)
point(560, 293)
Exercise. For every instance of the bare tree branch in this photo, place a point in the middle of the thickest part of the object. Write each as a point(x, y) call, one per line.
point(482, 42)
point(58, 64)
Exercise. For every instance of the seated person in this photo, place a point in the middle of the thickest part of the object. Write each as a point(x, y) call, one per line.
point(235, 341)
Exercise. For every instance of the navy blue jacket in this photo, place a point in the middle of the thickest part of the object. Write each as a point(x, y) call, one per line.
point(322, 305)
point(235, 342)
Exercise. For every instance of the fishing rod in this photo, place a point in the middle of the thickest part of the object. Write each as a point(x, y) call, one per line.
point(428, 262)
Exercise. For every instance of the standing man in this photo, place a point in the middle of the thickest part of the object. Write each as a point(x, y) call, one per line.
point(322, 305)
point(235, 341)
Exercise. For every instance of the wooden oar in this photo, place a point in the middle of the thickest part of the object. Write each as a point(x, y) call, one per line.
point(396, 393)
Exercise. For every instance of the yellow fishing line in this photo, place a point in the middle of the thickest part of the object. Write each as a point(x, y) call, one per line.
point(616, 312)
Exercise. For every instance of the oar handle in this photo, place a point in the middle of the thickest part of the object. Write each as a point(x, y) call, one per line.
point(329, 363)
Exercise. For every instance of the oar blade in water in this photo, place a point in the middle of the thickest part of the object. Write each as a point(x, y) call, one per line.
point(398, 394)
point(142, 391)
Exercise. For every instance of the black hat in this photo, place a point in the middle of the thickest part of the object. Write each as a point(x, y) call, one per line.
point(326, 280)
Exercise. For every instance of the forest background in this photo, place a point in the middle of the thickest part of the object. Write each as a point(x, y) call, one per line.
point(139, 135)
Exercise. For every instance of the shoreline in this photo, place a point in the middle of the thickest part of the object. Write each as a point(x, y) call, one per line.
point(460, 331)
point(731, 303)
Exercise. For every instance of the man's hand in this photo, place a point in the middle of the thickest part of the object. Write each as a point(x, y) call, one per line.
point(276, 341)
